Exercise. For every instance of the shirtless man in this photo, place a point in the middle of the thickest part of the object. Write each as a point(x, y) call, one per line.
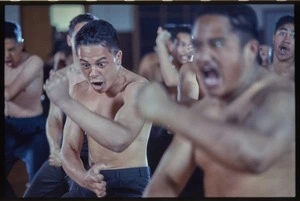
point(284, 48)
point(24, 120)
point(173, 48)
point(265, 54)
point(103, 109)
point(243, 133)
point(51, 180)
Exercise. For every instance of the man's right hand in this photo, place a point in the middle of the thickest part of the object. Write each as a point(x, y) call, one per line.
point(94, 181)
point(57, 88)
point(162, 36)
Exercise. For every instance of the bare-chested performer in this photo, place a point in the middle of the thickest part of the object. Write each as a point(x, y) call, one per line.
point(172, 50)
point(25, 136)
point(284, 48)
point(51, 180)
point(169, 65)
point(243, 133)
point(265, 55)
point(103, 109)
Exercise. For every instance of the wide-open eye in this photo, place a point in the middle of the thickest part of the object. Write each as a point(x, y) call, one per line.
point(281, 33)
point(217, 43)
point(101, 64)
point(85, 65)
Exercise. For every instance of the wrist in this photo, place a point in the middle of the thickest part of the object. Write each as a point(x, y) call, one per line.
point(63, 103)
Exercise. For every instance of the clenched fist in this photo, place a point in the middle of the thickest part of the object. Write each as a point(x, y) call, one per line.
point(57, 88)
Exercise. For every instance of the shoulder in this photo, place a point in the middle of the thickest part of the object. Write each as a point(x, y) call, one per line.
point(34, 59)
point(150, 58)
point(79, 89)
point(134, 86)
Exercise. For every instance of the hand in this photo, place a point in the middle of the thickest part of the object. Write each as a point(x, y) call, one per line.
point(94, 181)
point(57, 88)
point(151, 100)
point(55, 159)
point(163, 36)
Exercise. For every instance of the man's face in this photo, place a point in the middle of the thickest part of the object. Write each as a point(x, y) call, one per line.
point(99, 66)
point(13, 52)
point(284, 42)
point(182, 48)
point(265, 52)
point(218, 56)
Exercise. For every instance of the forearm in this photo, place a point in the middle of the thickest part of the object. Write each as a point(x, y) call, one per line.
point(106, 132)
point(54, 134)
point(160, 187)
point(235, 147)
point(73, 166)
point(168, 70)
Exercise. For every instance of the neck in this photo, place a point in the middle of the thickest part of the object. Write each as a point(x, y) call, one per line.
point(280, 66)
point(246, 80)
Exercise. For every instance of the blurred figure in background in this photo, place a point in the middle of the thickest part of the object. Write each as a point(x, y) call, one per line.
point(51, 181)
point(284, 48)
point(265, 55)
point(25, 136)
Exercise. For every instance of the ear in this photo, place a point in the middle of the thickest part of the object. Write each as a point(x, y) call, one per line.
point(69, 40)
point(251, 50)
point(118, 57)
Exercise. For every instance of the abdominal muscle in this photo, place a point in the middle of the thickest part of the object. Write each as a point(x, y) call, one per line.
point(132, 156)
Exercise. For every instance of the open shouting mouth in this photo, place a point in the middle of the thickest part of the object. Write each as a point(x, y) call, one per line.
point(211, 76)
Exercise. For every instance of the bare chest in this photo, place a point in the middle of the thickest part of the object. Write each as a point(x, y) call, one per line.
point(103, 104)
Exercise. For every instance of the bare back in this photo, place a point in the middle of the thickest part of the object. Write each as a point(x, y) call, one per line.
point(110, 106)
point(252, 111)
point(27, 80)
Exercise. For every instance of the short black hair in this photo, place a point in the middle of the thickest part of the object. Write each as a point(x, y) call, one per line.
point(242, 18)
point(86, 17)
point(287, 19)
point(175, 29)
point(13, 31)
point(98, 32)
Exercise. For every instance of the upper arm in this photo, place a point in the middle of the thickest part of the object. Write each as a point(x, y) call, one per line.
point(127, 115)
point(32, 71)
point(187, 85)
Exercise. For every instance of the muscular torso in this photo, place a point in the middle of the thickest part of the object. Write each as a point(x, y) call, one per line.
point(223, 181)
point(132, 156)
point(27, 103)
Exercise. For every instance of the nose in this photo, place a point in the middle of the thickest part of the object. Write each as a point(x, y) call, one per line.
point(94, 72)
point(203, 56)
point(288, 38)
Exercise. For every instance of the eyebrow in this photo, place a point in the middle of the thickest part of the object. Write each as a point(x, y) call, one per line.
point(102, 58)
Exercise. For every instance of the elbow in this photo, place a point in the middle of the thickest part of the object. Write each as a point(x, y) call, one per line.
point(119, 146)
point(121, 143)
point(257, 165)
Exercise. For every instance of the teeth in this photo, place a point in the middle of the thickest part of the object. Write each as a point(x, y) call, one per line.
point(211, 81)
